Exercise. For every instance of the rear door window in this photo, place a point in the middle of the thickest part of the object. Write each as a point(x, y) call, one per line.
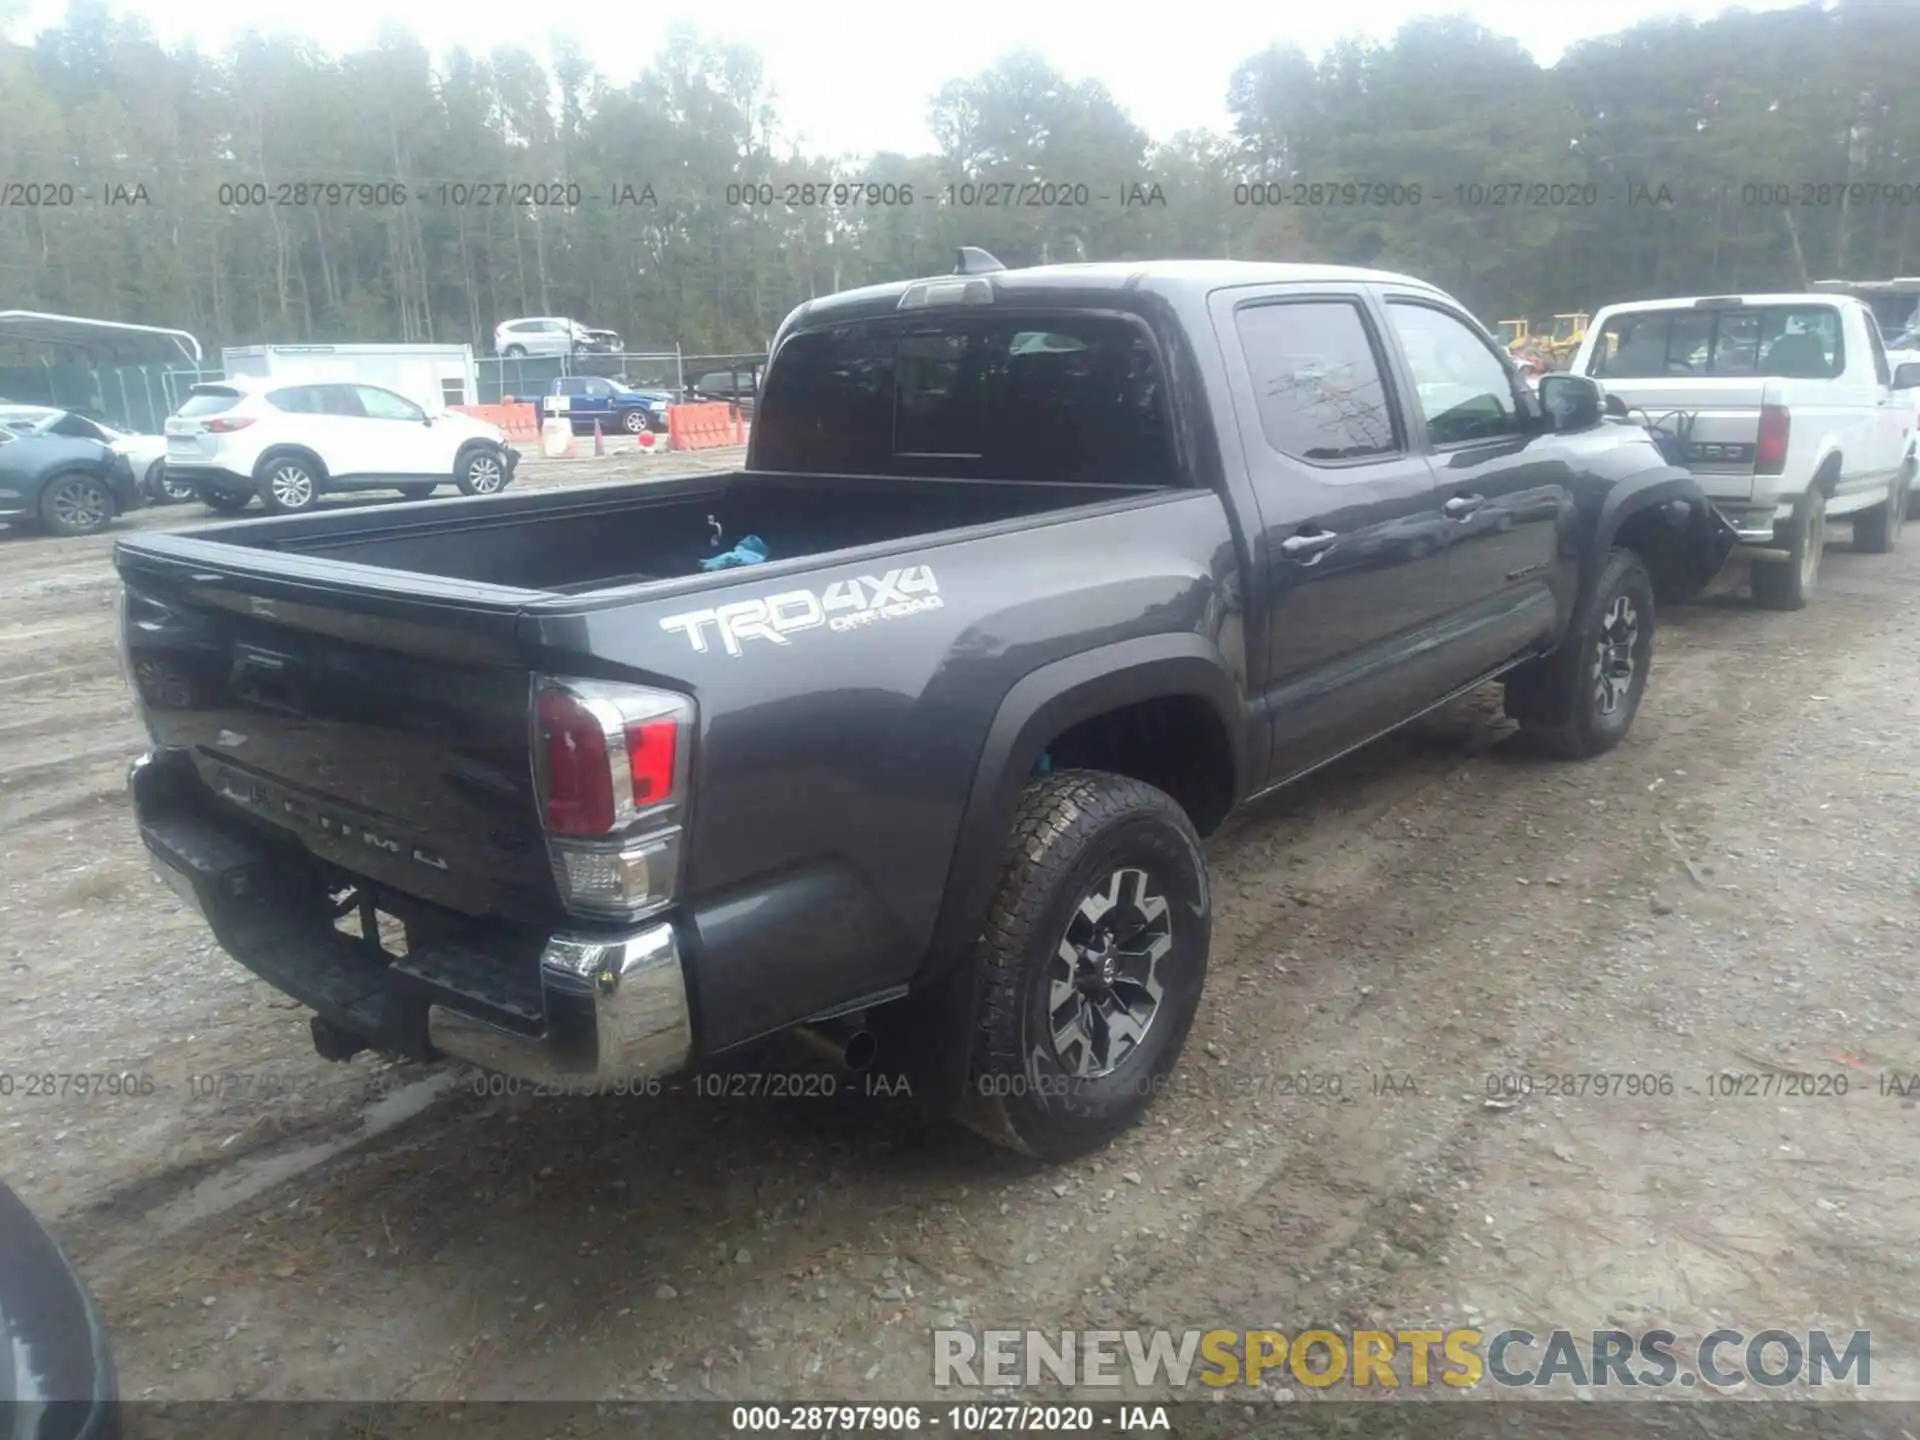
point(1072, 397)
point(341, 400)
point(295, 400)
point(1317, 380)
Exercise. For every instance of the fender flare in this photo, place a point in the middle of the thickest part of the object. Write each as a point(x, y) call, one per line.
point(1039, 707)
point(1642, 491)
point(304, 452)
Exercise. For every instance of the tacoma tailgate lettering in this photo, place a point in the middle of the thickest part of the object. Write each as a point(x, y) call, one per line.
point(900, 592)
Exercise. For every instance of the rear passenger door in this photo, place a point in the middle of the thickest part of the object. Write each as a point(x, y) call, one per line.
point(348, 440)
point(1505, 483)
point(1352, 540)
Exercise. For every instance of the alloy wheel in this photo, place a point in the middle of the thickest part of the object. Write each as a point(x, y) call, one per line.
point(79, 504)
point(1614, 652)
point(1103, 984)
point(485, 474)
point(291, 486)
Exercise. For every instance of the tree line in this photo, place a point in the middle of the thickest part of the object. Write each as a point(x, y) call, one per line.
point(277, 193)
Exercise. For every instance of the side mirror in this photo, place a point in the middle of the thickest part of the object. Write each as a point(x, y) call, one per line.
point(1571, 402)
point(1617, 406)
point(1907, 377)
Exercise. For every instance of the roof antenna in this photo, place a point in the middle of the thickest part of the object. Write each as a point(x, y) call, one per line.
point(972, 260)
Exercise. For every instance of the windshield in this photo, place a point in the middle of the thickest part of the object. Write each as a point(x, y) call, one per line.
point(1786, 341)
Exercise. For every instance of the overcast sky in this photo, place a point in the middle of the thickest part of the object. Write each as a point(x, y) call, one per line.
point(855, 75)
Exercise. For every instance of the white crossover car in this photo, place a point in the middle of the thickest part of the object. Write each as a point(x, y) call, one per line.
point(290, 444)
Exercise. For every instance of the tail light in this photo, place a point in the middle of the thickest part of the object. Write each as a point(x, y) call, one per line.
point(226, 425)
point(610, 768)
point(1770, 452)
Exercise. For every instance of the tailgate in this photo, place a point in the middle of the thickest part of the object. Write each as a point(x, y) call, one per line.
point(1726, 424)
point(389, 733)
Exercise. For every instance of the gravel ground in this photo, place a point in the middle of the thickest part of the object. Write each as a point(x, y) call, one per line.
point(1440, 922)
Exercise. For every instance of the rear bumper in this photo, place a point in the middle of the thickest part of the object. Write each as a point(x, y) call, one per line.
point(128, 493)
point(592, 1008)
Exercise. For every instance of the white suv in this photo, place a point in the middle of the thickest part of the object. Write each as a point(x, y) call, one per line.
point(550, 335)
point(289, 444)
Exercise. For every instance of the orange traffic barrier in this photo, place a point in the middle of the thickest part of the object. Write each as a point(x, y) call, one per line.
point(519, 419)
point(706, 426)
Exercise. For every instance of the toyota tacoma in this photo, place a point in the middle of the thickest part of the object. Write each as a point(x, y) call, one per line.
point(908, 732)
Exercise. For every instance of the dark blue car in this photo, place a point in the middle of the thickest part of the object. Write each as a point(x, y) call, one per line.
point(617, 407)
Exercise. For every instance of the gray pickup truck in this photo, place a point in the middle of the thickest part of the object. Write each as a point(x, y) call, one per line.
point(908, 732)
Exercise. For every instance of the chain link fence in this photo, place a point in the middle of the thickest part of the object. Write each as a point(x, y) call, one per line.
point(140, 397)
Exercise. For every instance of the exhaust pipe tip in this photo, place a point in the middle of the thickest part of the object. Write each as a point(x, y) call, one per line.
point(862, 1050)
point(851, 1048)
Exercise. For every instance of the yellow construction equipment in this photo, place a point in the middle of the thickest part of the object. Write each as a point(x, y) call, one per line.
point(1511, 333)
point(1567, 333)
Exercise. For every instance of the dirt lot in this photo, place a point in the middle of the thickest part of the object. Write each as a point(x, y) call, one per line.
point(1736, 889)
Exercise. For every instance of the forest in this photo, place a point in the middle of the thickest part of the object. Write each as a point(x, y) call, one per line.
point(278, 193)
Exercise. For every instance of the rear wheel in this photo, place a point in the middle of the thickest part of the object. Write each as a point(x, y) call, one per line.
point(1580, 701)
point(514, 352)
point(482, 472)
point(1093, 961)
point(1788, 584)
point(176, 491)
point(288, 484)
point(76, 505)
point(1877, 531)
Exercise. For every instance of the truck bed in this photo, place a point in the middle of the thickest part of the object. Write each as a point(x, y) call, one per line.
point(579, 541)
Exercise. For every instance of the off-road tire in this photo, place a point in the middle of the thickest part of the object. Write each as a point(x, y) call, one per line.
point(1788, 584)
point(1559, 699)
point(1073, 829)
point(1877, 531)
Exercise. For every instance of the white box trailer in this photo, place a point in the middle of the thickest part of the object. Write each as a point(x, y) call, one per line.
point(431, 375)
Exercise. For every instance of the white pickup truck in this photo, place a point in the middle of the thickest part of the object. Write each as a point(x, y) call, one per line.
point(1790, 411)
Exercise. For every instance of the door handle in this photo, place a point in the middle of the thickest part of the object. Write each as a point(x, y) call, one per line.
point(1295, 547)
point(1461, 506)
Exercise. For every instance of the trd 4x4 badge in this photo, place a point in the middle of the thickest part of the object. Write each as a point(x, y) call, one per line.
point(844, 605)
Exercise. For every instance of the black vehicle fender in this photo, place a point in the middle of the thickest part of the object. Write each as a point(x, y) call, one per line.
point(1039, 707)
point(1710, 539)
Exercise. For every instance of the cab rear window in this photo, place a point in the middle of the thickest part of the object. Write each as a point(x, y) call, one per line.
point(1068, 397)
point(1774, 341)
